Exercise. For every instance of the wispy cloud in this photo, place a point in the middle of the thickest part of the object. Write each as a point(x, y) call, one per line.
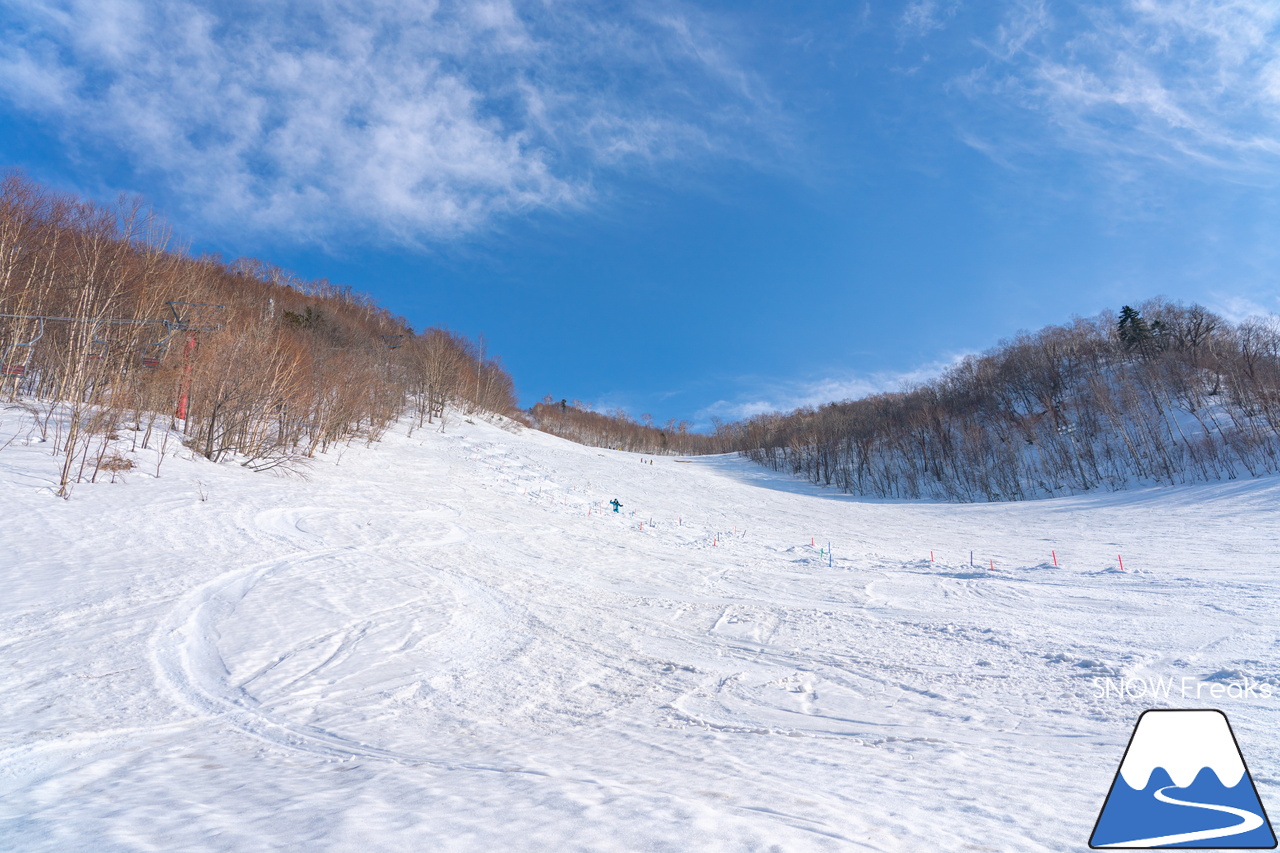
point(1237, 308)
point(401, 120)
point(921, 17)
point(760, 396)
point(1190, 83)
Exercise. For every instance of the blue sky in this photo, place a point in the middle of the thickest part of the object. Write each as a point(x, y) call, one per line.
point(685, 209)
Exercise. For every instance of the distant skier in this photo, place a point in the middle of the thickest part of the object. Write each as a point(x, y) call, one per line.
point(615, 504)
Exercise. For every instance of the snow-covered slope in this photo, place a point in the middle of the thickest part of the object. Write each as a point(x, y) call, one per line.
point(448, 643)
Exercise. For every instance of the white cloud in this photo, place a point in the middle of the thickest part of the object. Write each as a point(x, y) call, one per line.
point(765, 396)
point(1237, 309)
point(922, 17)
point(1190, 83)
point(405, 120)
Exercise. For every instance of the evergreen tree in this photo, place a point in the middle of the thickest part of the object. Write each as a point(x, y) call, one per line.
point(1133, 330)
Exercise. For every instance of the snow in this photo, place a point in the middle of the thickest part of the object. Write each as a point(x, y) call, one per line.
point(449, 642)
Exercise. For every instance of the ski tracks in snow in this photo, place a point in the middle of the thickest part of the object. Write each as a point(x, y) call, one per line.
point(262, 662)
point(454, 603)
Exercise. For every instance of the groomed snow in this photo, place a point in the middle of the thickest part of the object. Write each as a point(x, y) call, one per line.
point(430, 644)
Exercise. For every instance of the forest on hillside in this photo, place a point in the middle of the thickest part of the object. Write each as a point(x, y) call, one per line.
point(1161, 393)
point(616, 429)
point(107, 327)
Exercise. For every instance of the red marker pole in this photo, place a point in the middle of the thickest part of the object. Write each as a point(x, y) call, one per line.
point(1121, 559)
point(930, 556)
point(185, 392)
point(993, 565)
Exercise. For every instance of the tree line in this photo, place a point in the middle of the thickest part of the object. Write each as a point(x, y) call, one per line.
point(1158, 393)
point(618, 430)
point(110, 328)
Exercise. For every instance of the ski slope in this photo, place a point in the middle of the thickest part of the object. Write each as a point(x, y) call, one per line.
point(447, 642)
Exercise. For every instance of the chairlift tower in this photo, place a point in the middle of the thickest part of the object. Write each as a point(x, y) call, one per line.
point(9, 364)
point(186, 317)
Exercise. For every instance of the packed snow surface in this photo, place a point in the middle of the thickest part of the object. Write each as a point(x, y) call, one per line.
point(449, 642)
